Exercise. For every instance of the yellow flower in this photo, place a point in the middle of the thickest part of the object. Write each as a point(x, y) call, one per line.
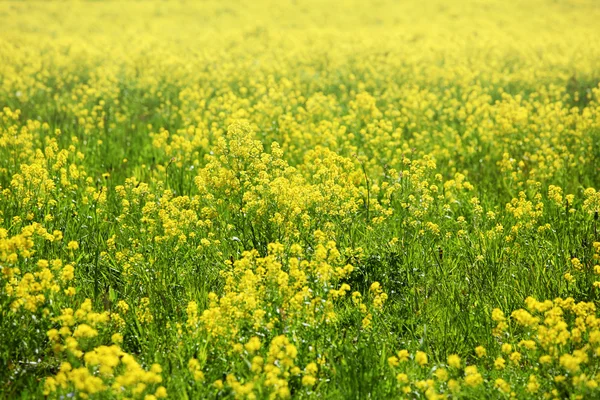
point(421, 358)
point(515, 357)
point(472, 377)
point(84, 331)
point(53, 335)
point(506, 348)
point(393, 361)
point(528, 344)
point(253, 344)
point(498, 315)
point(502, 385)
point(441, 374)
point(569, 362)
point(499, 363)
point(68, 273)
point(454, 361)
point(532, 385)
point(545, 359)
point(403, 355)
point(402, 378)
point(480, 351)
point(308, 380)
point(592, 384)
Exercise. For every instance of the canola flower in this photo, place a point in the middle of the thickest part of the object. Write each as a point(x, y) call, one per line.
point(299, 199)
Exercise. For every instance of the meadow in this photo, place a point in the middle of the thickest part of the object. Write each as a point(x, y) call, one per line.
point(300, 199)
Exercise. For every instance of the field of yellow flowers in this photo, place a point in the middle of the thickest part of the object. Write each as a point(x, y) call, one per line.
point(313, 198)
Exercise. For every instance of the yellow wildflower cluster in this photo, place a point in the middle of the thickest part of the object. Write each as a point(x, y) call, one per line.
point(552, 343)
point(96, 369)
point(327, 198)
point(288, 291)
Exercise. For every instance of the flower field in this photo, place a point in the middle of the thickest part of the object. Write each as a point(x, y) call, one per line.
point(300, 199)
